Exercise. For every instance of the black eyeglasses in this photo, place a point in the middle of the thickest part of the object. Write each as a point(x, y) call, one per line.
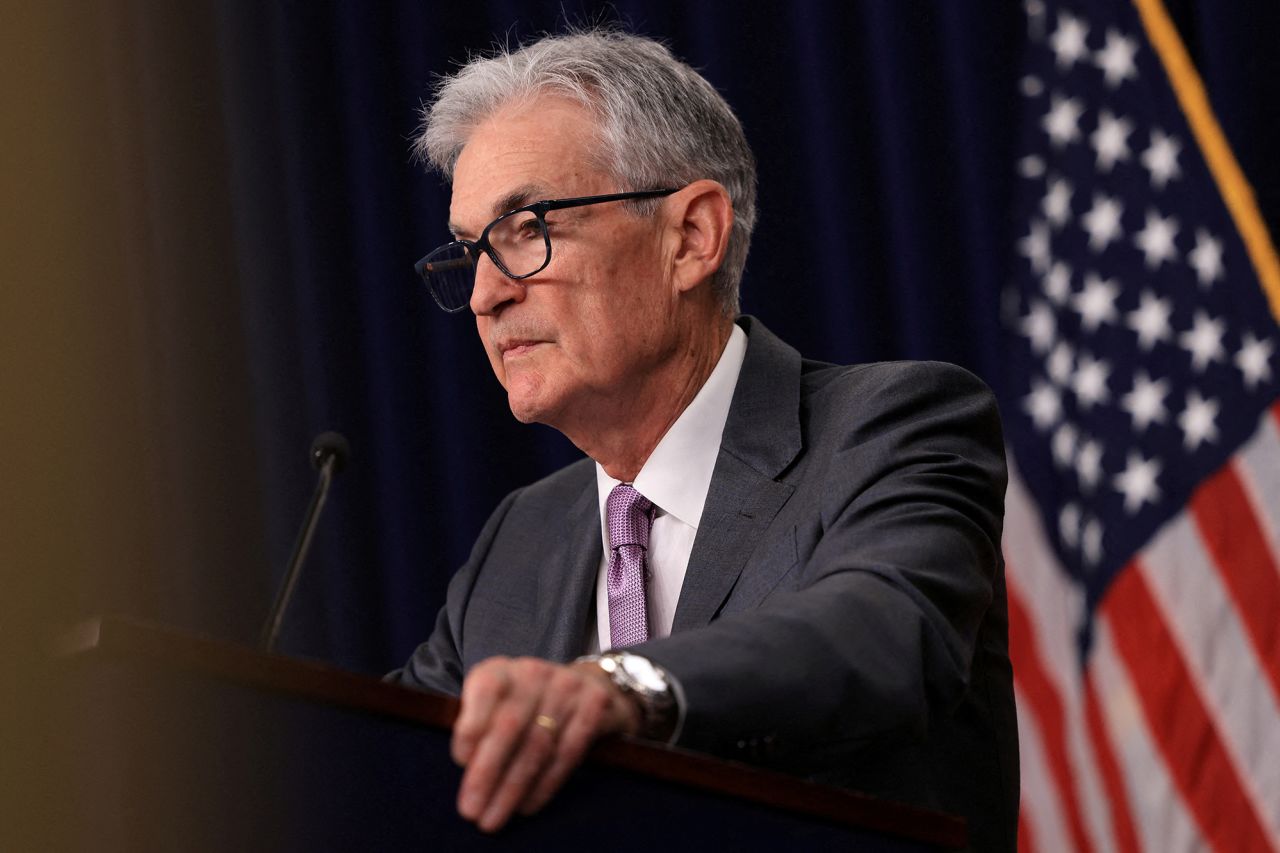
point(517, 242)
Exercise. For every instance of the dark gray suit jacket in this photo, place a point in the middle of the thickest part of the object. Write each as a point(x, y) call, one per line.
point(843, 615)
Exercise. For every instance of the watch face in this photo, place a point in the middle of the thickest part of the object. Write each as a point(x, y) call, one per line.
point(644, 672)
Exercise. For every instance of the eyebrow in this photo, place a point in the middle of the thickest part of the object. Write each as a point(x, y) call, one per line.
point(518, 197)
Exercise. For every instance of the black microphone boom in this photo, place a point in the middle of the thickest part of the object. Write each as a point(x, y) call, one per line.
point(329, 454)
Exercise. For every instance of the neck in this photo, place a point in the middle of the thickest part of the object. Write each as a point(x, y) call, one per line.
point(622, 440)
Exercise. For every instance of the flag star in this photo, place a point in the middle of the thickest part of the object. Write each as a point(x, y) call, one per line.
point(1096, 304)
point(1091, 541)
point(1204, 341)
point(1069, 525)
point(1198, 421)
point(1061, 363)
point(1156, 239)
point(1116, 59)
point(1057, 282)
point(1103, 221)
point(1064, 442)
point(1145, 403)
point(1031, 86)
point(1151, 320)
point(1043, 404)
point(1040, 327)
point(1062, 122)
point(1254, 360)
point(1090, 381)
point(1161, 158)
point(1068, 40)
point(1111, 140)
point(1089, 464)
point(1056, 203)
point(1035, 246)
point(1206, 258)
point(1137, 482)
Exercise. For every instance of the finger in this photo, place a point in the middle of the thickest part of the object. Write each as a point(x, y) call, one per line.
point(482, 691)
point(588, 720)
point(503, 734)
point(536, 750)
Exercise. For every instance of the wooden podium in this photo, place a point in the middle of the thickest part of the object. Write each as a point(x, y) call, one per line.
point(184, 743)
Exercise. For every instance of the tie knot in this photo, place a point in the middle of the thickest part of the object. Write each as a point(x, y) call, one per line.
point(629, 515)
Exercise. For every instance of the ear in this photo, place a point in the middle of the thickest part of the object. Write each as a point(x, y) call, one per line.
point(702, 217)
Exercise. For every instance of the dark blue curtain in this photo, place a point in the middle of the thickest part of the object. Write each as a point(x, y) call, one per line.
point(884, 132)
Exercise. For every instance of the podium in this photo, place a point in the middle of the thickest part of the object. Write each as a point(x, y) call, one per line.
point(184, 743)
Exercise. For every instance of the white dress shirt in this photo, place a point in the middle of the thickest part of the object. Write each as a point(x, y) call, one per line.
point(676, 478)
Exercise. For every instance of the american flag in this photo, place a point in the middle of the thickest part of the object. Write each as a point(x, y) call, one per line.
point(1143, 513)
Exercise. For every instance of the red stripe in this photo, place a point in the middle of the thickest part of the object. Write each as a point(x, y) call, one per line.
point(1239, 548)
point(1117, 794)
point(1034, 682)
point(1026, 838)
point(1177, 718)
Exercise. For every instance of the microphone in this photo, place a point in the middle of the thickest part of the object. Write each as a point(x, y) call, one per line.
point(329, 454)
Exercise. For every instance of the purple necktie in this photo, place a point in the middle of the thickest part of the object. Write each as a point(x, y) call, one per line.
point(630, 515)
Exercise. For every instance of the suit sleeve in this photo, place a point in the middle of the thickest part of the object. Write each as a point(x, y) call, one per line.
point(878, 634)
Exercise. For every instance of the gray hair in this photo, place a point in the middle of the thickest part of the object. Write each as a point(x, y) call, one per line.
point(660, 122)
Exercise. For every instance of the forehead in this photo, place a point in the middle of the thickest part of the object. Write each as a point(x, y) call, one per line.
point(541, 148)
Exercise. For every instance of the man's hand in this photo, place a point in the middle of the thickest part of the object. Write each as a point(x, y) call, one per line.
point(525, 724)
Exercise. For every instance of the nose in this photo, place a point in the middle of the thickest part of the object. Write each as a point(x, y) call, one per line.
point(493, 289)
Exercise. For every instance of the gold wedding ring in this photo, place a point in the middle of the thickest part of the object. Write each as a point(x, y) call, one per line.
point(546, 722)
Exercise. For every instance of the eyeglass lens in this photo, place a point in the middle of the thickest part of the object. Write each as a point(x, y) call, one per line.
point(519, 242)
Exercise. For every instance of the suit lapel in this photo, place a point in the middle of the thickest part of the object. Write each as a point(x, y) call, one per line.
point(567, 579)
point(761, 438)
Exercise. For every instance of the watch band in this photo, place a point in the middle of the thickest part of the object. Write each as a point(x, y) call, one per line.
point(653, 693)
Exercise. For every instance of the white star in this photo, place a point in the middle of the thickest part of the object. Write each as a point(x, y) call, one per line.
point(1057, 282)
point(1069, 525)
point(1111, 140)
point(1040, 327)
point(1097, 302)
point(1064, 445)
point(1062, 122)
point(1031, 166)
point(1089, 464)
point(1198, 421)
point(1116, 59)
point(1092, 541)
point(1156, 239)
point(1137, 482)
point(1204, 341)
point(1206, 258)
point(1043, 404)
point(1056, 203)
point(1061, 363)
point(1031, 86)
point(1035, 246)
point(1068, 40)
point(1254, 359)
point(1161, 158)
point(1145, 403)
point(1090, 381)
point(1151, 320)
point(1103, 221)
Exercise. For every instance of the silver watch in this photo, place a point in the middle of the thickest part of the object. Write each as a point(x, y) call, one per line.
point(648, 683)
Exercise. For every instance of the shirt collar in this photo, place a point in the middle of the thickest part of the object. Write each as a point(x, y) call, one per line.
point(677, 474)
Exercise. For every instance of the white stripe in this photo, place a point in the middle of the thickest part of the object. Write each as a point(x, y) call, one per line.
point(1160, 815)
point(1223, 663)
point(1040, 804)
point(1258, 465)
point(1054, 605)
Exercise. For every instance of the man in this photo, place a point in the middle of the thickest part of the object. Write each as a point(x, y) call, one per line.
point(784, 561)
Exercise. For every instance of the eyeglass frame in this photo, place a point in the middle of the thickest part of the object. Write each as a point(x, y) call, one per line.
point(540, 209)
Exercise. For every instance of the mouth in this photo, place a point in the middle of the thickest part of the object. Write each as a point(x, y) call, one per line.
point(517, 348)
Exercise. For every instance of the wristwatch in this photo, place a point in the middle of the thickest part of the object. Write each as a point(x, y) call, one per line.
point(648, 684)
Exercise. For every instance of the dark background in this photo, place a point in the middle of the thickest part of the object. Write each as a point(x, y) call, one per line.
point(229, 272)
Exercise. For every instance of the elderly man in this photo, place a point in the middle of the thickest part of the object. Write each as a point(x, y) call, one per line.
point(764, 557)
